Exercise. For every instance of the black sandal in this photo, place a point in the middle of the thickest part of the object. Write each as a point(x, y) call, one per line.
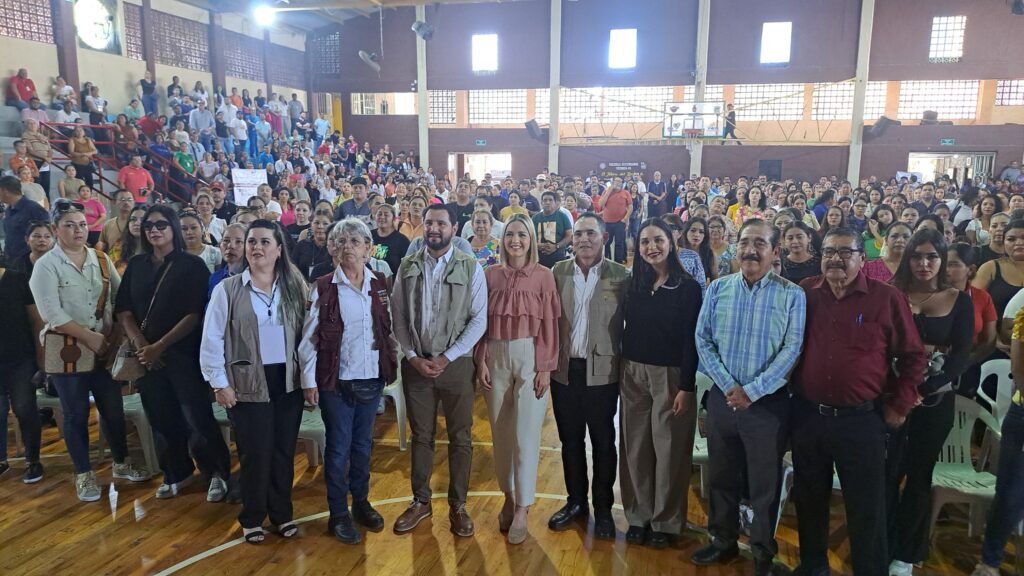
point(287, 530)
point(255, 537)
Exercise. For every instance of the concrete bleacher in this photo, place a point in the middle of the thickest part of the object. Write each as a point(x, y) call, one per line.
point(10, 131)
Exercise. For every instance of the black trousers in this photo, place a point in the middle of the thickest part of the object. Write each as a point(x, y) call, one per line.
point(266, 433)
point(755, 439)
point(578, 409)
point(912, 453)
point(855, 445)
point(177, 403)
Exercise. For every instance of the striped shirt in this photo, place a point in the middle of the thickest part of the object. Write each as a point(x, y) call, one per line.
point(751, 336)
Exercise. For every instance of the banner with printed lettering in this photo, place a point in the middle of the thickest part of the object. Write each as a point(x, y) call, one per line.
point(246, 182)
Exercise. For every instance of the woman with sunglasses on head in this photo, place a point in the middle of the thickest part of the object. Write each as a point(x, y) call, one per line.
point(161, 303)
point(657, 413)
point(249, 355)
point(944, 317)
point(40, 240)
point(74, 288)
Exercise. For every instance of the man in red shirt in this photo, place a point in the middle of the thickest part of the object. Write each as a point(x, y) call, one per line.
point(20, 89)
point(150, 124)
point(615, 207)
point(136, 179)
point(846, 399)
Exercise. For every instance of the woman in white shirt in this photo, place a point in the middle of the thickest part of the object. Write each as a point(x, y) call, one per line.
point(200, 93)
point(74, 291)
point(214, 226)
point(347, 355)
point(249, 356)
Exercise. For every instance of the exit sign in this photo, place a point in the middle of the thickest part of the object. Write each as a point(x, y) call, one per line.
point(947, 142)
point(481, 142)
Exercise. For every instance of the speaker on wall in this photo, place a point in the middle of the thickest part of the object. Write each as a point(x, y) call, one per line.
point(535, 131)
point(929, 118)
point(881, 125)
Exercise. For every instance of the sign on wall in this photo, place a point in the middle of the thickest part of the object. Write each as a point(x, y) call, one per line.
point(611, 169)
point(246, 182)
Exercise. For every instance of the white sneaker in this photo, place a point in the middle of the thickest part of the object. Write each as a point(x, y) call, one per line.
point(166, 491)
point(898, 568)
point(983, 569)
point(218, 490)
point(126, 470)
point(381, 406)
point(86, 487)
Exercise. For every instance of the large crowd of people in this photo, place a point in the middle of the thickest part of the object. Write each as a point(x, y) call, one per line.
point(835, 320)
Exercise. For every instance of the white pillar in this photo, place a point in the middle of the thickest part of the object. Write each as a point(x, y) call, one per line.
point(554, 83)
point(423, 117)
point(860, 86)
point(701, 75)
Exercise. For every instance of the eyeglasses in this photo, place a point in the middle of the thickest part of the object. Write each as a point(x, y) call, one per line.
point(843, 253)
point(160, 225)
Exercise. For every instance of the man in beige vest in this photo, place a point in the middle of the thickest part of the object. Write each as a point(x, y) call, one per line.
point(585, 388)
point(439, 304)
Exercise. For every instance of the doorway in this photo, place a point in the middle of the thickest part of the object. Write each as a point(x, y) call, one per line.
point(498, 165)
point(957, 165)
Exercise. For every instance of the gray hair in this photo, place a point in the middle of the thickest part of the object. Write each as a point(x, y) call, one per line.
point(350, 226)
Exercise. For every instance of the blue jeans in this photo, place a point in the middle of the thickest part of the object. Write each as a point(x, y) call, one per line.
point(17, 103)
point(227, 144)
point(1008, 506)
point(349, 427)
point(73, 390)
point(17, 392)
point(149, 102)
point(616, 238)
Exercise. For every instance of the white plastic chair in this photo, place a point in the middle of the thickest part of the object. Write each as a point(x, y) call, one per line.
point(313, 434)
point(397, 394)
point(44, 400)
point(1004, 390)
point(955, 480)
point(704, 384)
point(134, 412)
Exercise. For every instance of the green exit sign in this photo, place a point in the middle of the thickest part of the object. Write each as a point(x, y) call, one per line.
point(947, 142)
point(481, 142)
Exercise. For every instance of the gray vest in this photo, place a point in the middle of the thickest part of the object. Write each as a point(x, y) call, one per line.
point(453, 300)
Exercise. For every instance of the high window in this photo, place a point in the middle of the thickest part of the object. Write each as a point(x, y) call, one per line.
point(952, 99)
point(485, 52)
point(947, 40)
point(622, 49)
point(776, 41)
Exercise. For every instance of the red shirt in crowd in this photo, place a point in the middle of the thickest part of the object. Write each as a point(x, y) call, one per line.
point(615, 205)
point(849, 346)
point(135, 178)
point(149, 126)
point(20, 88)
point(984, 309)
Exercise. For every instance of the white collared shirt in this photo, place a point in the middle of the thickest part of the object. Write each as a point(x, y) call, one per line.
point(583, 292)
point(212, 360)
point(358, 359)
point(63, 293)
point(433, 276)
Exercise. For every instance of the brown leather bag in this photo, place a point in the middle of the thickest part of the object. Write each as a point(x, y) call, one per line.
point(64, 354)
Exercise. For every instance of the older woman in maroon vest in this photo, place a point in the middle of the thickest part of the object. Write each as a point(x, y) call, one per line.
point(347, 352)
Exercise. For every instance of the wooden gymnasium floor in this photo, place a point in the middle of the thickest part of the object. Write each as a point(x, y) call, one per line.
point(44, 529)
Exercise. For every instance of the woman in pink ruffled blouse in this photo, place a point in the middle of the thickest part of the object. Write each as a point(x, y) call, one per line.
point(514, 361)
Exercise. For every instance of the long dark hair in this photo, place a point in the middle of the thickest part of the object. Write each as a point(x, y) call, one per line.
point(177, 239)
point(825, 227)
point(644, 275)
point(903, 277)
point(130, 244)
point(707, 257)
point(814, 241)
point(289, 280)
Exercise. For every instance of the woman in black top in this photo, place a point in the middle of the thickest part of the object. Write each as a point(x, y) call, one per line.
point(659, 354)
point(1004, 277)
point(17, 365)
point(160, 305)
point(149, 98)
point(945, 318)
point(802, 259)
point(312, 251)
point(40, 240)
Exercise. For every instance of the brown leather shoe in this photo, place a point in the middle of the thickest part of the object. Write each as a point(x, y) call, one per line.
point(412, 516)
point(461, 523)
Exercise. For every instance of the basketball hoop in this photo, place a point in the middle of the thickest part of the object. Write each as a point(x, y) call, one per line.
point(691, 138)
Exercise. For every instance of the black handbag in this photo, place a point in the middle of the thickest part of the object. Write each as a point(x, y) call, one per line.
point(362, 391)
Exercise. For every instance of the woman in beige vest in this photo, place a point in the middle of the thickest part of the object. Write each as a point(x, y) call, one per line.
point(249, 356)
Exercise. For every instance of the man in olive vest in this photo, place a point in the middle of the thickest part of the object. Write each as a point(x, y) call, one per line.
point(439, 304)
point(585, 388)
